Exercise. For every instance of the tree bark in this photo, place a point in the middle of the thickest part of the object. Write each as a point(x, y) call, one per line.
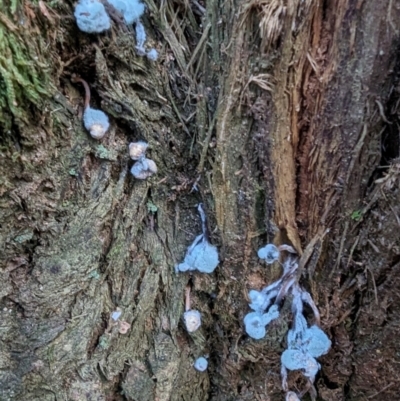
point(281, 117)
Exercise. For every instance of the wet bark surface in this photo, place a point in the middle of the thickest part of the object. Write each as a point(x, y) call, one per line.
point(281, 117)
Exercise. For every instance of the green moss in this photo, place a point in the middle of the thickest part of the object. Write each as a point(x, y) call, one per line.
point(24, 77)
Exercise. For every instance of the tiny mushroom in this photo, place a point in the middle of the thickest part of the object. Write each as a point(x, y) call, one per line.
point(201, 364)
point(191, 317)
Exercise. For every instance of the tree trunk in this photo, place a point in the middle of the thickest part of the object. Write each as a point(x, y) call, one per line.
point(279, 116)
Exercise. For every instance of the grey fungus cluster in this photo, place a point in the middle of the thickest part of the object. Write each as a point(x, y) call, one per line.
point(305, 342)
point(144, 167)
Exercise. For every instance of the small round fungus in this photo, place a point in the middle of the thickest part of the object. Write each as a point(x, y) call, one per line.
point(137, 149)
point(152, 54)
point(254, 325)
point(91, 16)
point(201, 364)
point(269, 253)
point(192, 319)
point(96, 122)
point(132, 10)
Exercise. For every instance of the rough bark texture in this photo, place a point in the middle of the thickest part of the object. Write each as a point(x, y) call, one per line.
point(282, 114)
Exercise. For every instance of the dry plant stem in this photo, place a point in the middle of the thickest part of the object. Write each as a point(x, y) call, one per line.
point(75, 79)
point(187, 298)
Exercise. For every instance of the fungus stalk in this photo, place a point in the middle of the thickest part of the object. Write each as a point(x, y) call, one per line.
point(192, 318)
point(95, 121)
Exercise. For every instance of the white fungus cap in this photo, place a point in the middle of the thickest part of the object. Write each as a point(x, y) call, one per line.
point(137, 149)
point(192, 319)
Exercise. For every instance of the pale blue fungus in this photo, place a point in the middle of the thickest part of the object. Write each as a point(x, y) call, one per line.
point(270, 253)
point(255, 322)
point(297, 333)
point(131, 10)
point(143, 168)
point(116, 315)
point(96, 122)
point(298, 360)
point(258, 301)
point(152, 54)
point(201, 364)
point(316, 342)
point(140, 38)
point(254, 325)
point(91, 16)
point(201, 256)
